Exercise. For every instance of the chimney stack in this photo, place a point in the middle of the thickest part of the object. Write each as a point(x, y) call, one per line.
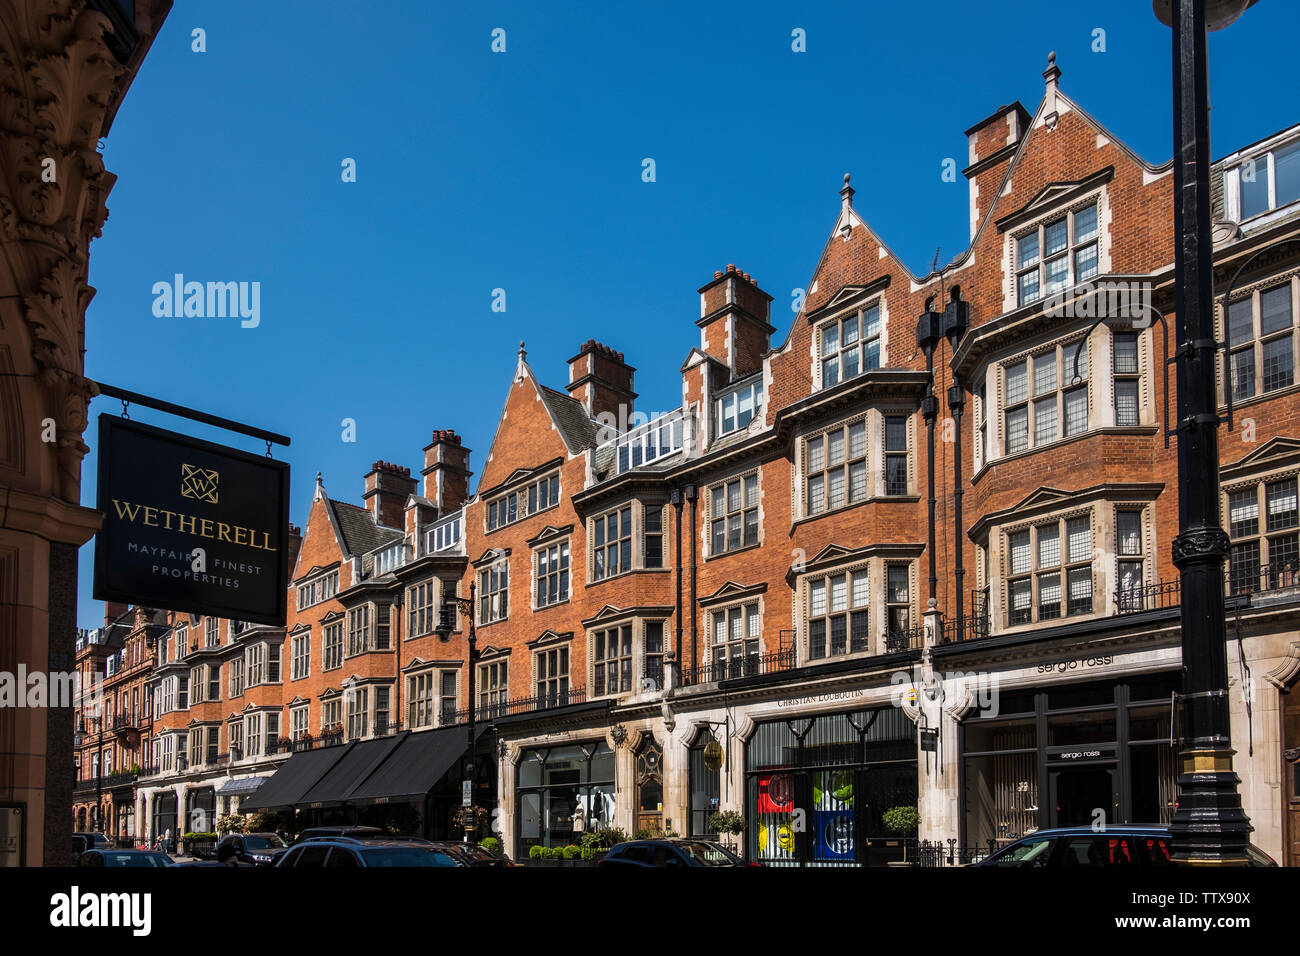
point(602, 381)
point(993, 141)
point(387, 487)
point(113, 610)
point(734, 326)
point(446, 471)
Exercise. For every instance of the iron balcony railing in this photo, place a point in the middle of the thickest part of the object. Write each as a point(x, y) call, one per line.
point(519, 705)
point(1280, 576)
point(970, 628)
point(1149, 597)
point(904, 638)
point(128, 721)
point(947, 853)
point(746, 665)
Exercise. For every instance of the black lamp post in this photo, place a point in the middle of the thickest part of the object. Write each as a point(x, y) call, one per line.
point(1209, 827)
point(446, 624)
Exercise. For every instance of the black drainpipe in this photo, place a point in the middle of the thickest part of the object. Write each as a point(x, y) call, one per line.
point(929, 332)
point(956, 321)
point(693, 497)
point(677, 553)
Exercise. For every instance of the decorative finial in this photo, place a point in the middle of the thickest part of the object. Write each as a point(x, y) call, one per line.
point(1051, 58)
point(318, 478)
point(522, 353)
point(846, 193)
point(846, 179)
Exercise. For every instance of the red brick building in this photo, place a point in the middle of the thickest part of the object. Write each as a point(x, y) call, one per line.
point(754, 568)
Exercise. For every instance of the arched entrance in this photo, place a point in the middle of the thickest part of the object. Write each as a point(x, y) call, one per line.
point(1291, 772)
point(649, 785)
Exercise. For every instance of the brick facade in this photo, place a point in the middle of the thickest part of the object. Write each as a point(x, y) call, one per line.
point(815, 513)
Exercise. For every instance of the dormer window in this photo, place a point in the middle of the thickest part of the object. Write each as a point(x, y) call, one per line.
point(849, 345)
point(443, 536)
point(1269, 180)
point(737, 408)
point(1057, 254)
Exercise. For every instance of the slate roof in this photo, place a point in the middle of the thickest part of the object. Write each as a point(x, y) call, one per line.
point(570, 416)
point(358, 528)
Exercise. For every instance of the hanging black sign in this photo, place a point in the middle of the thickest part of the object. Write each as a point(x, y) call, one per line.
point(190, 525)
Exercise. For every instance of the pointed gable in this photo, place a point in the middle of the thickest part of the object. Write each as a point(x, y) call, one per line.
point(536, 424)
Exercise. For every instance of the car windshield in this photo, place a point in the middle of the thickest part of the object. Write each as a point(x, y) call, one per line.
point(404, 856)
point(136, 859)
point(1029, 853)
point(258, 842)
point(707, 854)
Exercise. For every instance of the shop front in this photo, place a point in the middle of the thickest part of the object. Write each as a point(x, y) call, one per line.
point(566, 790)
point(1079, 754)
point(201, 807)
point(164, 815)
point(817, 787)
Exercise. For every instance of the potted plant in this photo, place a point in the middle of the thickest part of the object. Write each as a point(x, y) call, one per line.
point(727, 821)
point(904, 821)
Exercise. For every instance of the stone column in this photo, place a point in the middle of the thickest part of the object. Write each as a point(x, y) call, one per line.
point(66, 69)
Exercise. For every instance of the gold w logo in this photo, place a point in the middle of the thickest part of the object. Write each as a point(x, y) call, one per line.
point(200, 483)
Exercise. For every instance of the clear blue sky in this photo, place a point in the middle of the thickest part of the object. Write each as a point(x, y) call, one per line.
point(522, 170)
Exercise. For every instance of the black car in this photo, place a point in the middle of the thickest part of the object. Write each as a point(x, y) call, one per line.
point(473, 854)
point(1115, 846)
point(352, 853)
point(259, 849)
point(81, 842)
point(147, 858)
point(640, 854)
point(329, 833)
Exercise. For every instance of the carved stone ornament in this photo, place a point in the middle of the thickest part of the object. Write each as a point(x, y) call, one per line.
point(1200, 543)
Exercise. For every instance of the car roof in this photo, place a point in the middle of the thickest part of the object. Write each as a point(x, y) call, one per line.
point(355, 844)
point(1134, 828)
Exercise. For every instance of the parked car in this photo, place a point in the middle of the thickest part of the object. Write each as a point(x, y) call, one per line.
point(124, 858)
point(639, 854)
point(473, 854)
point(259, 849)
point(1116, 846)
point(349, 853)
point(227, 864)
point(81, 842)
point(328, 833)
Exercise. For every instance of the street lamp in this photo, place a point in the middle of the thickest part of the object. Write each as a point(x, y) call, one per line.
point(1209, 827)
point(452, 605)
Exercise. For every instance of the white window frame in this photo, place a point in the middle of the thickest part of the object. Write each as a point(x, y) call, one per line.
point(540, 494)
point(422, 608)
point(722, 515)
point(1062, 353)
point(1234, 176)
point(494, 592)
point(828, 353)
point(552, 571)
point(300, 655)
point(1258, 339)
point(1073, 246)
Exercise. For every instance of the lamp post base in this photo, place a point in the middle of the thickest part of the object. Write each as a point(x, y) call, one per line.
point(1210, 828)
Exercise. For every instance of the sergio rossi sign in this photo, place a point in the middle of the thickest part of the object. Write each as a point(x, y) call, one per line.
point(190, 525)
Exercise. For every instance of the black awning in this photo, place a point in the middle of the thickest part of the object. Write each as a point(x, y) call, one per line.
point(302, 771)
point(415, 767)
point(336, 786)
